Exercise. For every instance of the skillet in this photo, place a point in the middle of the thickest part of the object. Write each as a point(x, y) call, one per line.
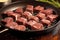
point(32, 32)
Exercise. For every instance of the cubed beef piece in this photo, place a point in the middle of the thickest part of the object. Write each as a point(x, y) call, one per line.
point(30, 23)
point(34, 18)
point(37, 26)
point(21, 20)
point(12, 25)
point(27, 14)
point(12, 14)
point(29, 8)
point(15, 16)
point(8, 12)
point(19, 10)
point(48, 11)
point(39, 8)
point(41, 15)
point(46, 22)
point(52, 17)
point(7, 20)
point(21, 28)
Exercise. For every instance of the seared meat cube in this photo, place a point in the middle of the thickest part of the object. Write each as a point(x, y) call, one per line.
point(47, 11)
point(8, 12)
point(11, 13)
point(19, 11)
point(27, 14)
point(21, 28)
point(41, 15)
point(15, 16)
point(52, 17)
point(45, 21)
point(34, 18)
point(29, 8)
point(37, 26)
point(12, 25)
point(39, 8)
point(31, 22)
point(21, 20)
point(7, 20)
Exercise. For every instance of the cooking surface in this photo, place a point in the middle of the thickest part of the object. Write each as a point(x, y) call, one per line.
point(54, 35)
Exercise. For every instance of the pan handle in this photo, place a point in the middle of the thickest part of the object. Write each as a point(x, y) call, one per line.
point(6, 29)
point(3, 28)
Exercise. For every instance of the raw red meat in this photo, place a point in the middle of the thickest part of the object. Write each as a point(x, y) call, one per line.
point(12, 25)
point(39, 8)
point(21, 20)
point(8, 20)
point(37, 26)
point(34, 18)
point(41, 15)
point(21, 28)
point(27, 14)
point(19, 10)
point(45, 21)
point(52, 17)
point(29, 8)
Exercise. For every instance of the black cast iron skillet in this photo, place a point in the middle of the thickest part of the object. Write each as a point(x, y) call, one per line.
point(32, 32)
